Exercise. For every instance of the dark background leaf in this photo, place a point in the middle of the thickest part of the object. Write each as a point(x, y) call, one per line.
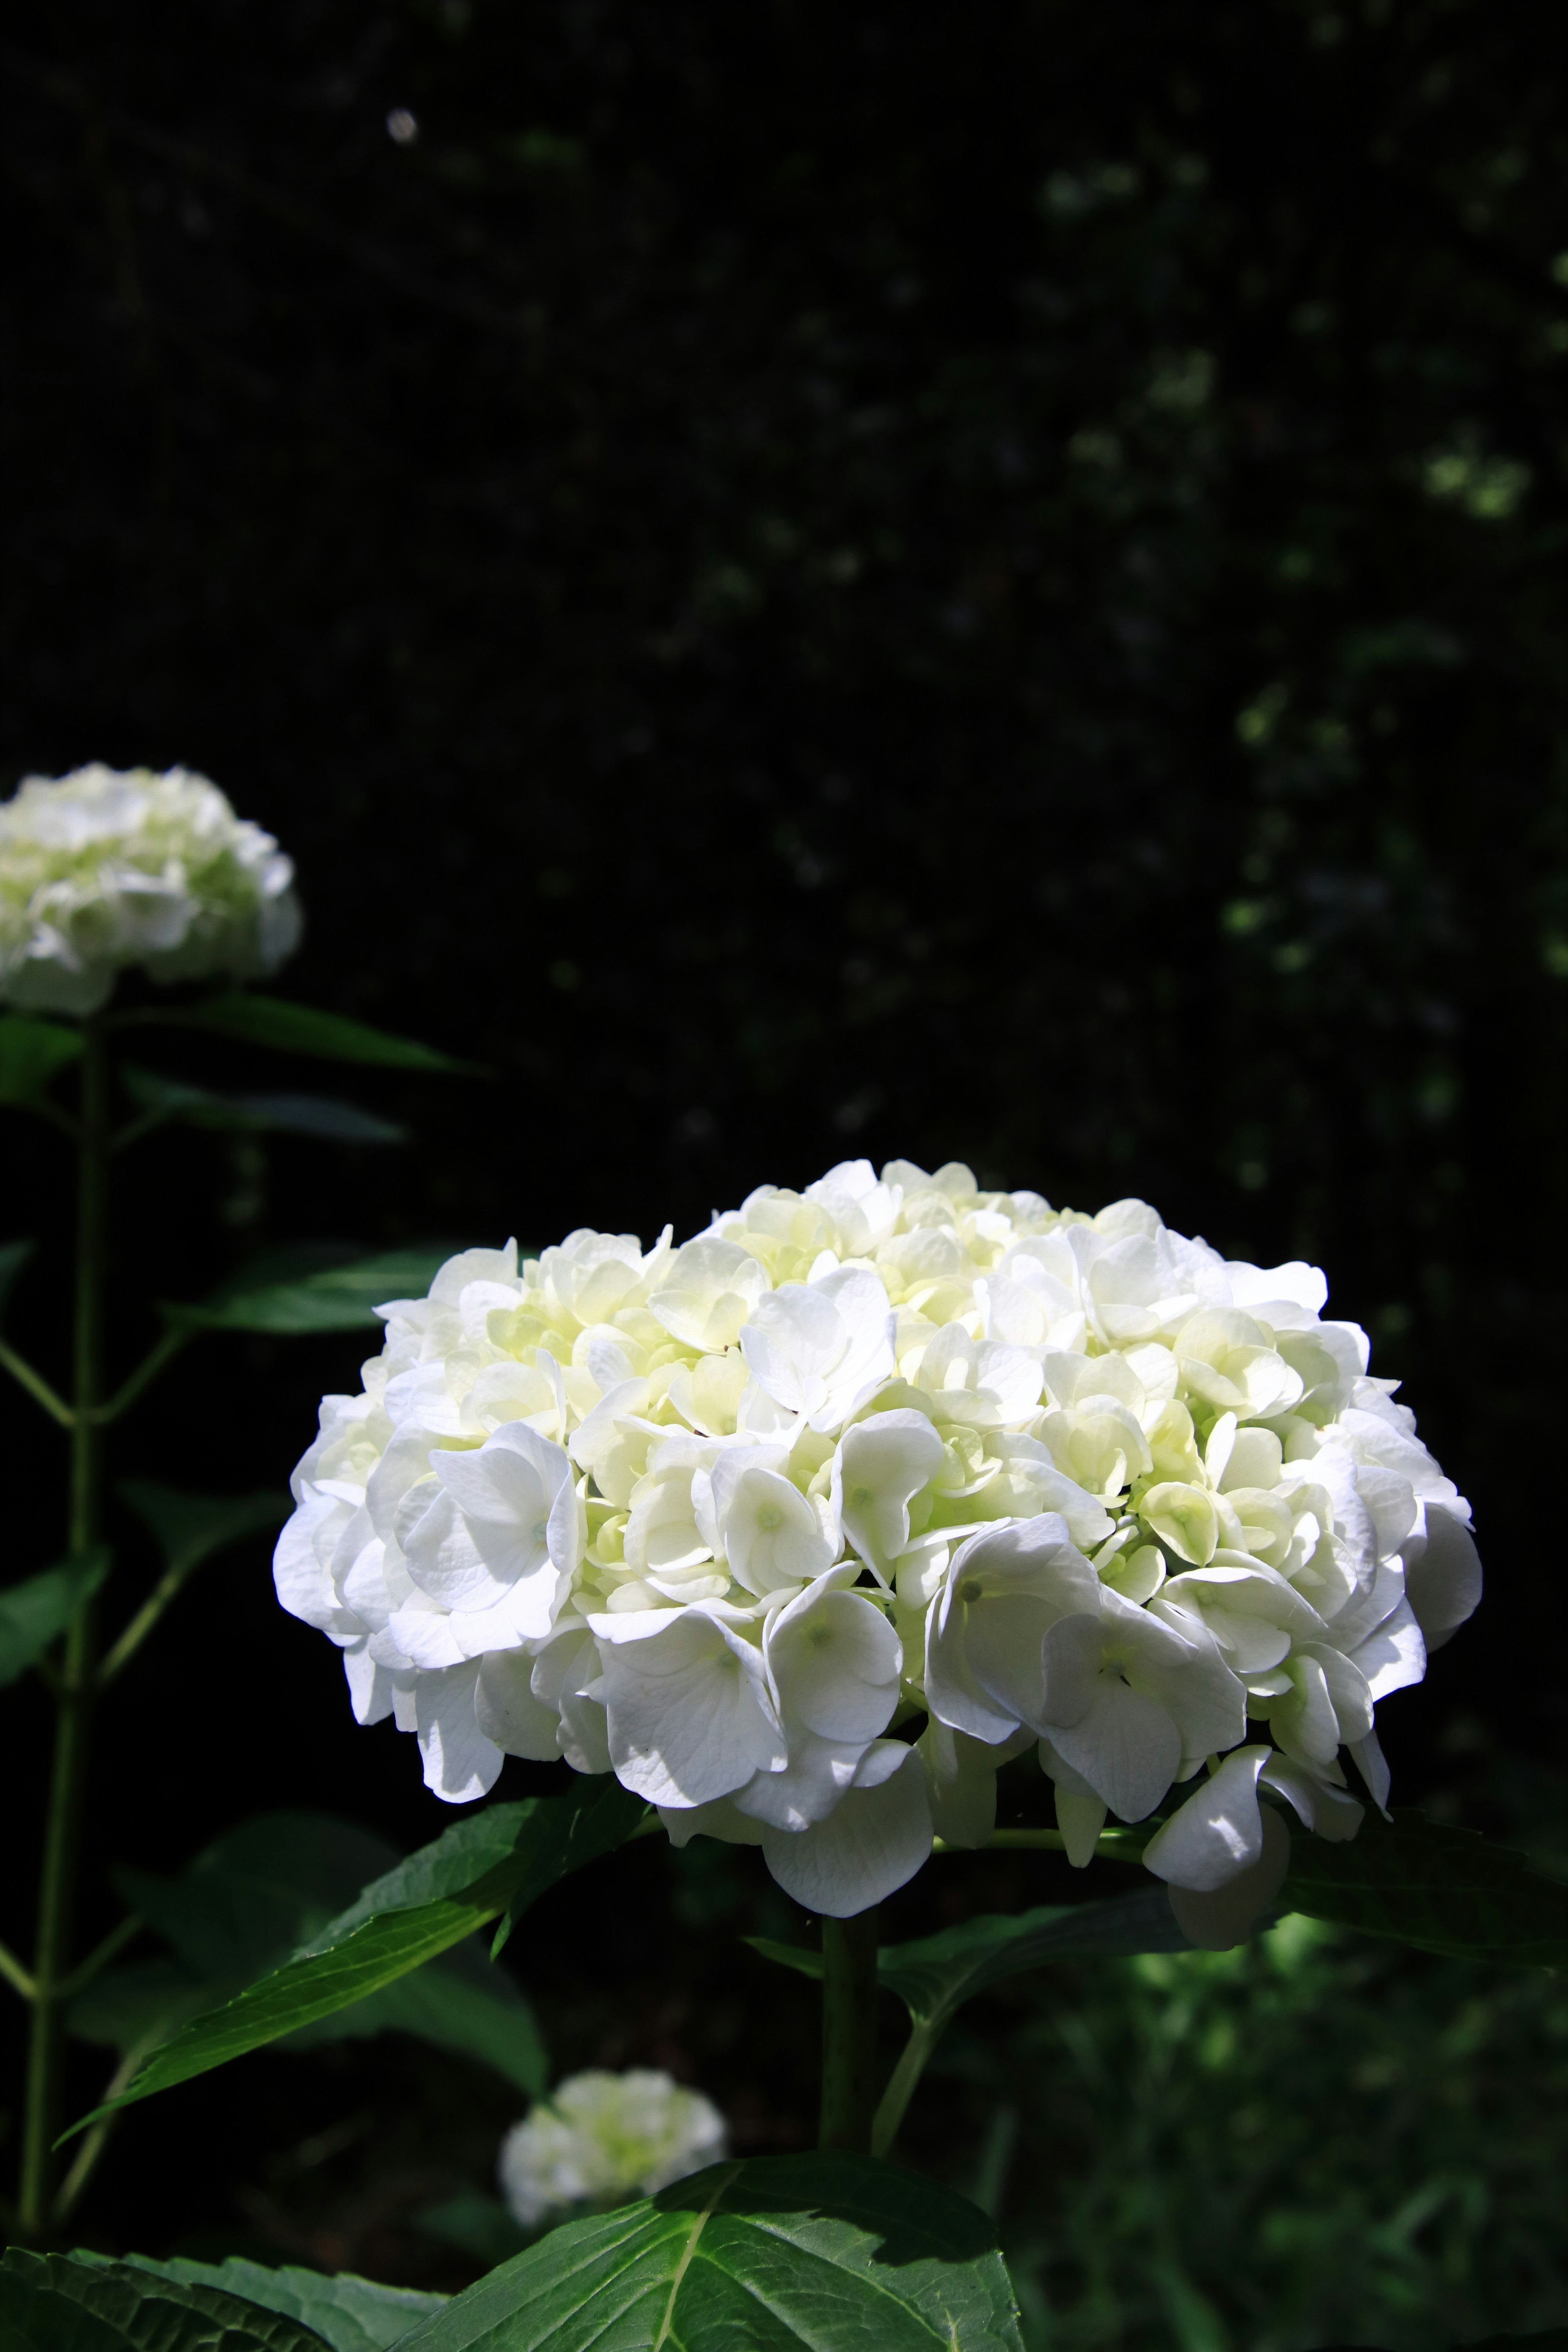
point(1440, 1888)
point(34, 1612)
point(31, 1052)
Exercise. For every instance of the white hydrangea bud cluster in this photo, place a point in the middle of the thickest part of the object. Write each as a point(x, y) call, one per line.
point(101, 870)
point(600, 2139)
point(804, 1528)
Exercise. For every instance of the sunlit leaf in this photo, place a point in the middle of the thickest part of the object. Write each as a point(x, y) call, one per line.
point(36, 1611)
point(1444, 1890)
point(351, 2314)
point(312, 1115)
point(284, 1028)
point(834, 2253)
point(410, 1914)
point(248, 1902)
point(267, 1295)
point(84, 2302)
point(31, 1052)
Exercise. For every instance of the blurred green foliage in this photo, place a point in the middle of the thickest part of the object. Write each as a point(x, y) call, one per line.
point(1307, 2141)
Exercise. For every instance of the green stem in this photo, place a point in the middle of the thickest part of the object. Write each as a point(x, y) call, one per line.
point(38, 1388)
point(850, 1993)
point(924, 2036)
point(162, 1352)
point(62, 1831)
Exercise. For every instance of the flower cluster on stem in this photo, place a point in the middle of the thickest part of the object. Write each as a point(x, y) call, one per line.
point(101, 871)
point(805, 1526)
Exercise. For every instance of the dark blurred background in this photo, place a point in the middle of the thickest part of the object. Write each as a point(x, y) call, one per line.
point(804, 582)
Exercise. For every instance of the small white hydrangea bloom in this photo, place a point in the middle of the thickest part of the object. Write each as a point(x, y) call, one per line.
point(601, 2138)
point(804, 1528)
point(100, 871)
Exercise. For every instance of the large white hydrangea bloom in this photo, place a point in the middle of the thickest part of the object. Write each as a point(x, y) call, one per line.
point(804, 1528)
point(101, 870)
point(600, 2139)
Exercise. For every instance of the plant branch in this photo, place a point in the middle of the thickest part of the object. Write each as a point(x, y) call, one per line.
point(1115, 1845)
point(135, 1129)
point(924, 2035)
point(96, 2139)
point(14, 1974)
point(113, 1944)
point(38, 1388)
point(168, 1587)
point(42, 1108)
point(146, 1372)
point(73, 1704)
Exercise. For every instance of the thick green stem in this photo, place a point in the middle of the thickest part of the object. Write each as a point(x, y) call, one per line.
point(849, 1994)
point(73, 1699)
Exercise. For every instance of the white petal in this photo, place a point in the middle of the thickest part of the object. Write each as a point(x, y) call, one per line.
point(1219, 1918)
point(1442, 1576)
point(1126, 1746)
point(1218, 1832)
point(508, 1712)
point(460, 1763)
point(690, 1714)
point(874, 1840)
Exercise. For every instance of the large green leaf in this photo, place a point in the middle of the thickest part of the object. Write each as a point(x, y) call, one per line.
point(410, 1914)
point(66, 2303)
point(294, 1291)
point(351, 2314)
point(284, 1028)
point(176, 1103)
point(248, 1902)
point(834, 2253)
point(1444, 1890)
point(34, 1613)
point(31, 1052)
point(190, 1527)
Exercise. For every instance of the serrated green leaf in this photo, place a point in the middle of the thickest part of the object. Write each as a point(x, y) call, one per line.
point(31, 1054)
point(36, 1611)
point(1443, 1890)
point(311, 1115)
point(280, 1027)
point(13, 1256)
point(340, 1296)
point(351, 2314)
point(86, 2303)
point(190, 1527)
point(411, 1915)
point(773, 2255)
point(248, 1902)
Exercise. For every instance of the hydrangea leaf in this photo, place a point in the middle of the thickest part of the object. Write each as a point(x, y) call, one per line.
point(35, 1611)
point(85, 2302)
point(1444, 1890)
point(351, 2314)
point(13, 1256)
point(248, 1902)
point(190, 1527)
point(935, 1974)
point(321, 1289)
point(283, 1028)
point(777, 2254)
point(31, 1052)
point(409, 1916)
point(312, 1115)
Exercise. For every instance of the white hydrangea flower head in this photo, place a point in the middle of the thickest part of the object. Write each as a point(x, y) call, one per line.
point(806, 1527)
point(600, 2139)
point(102, 870)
